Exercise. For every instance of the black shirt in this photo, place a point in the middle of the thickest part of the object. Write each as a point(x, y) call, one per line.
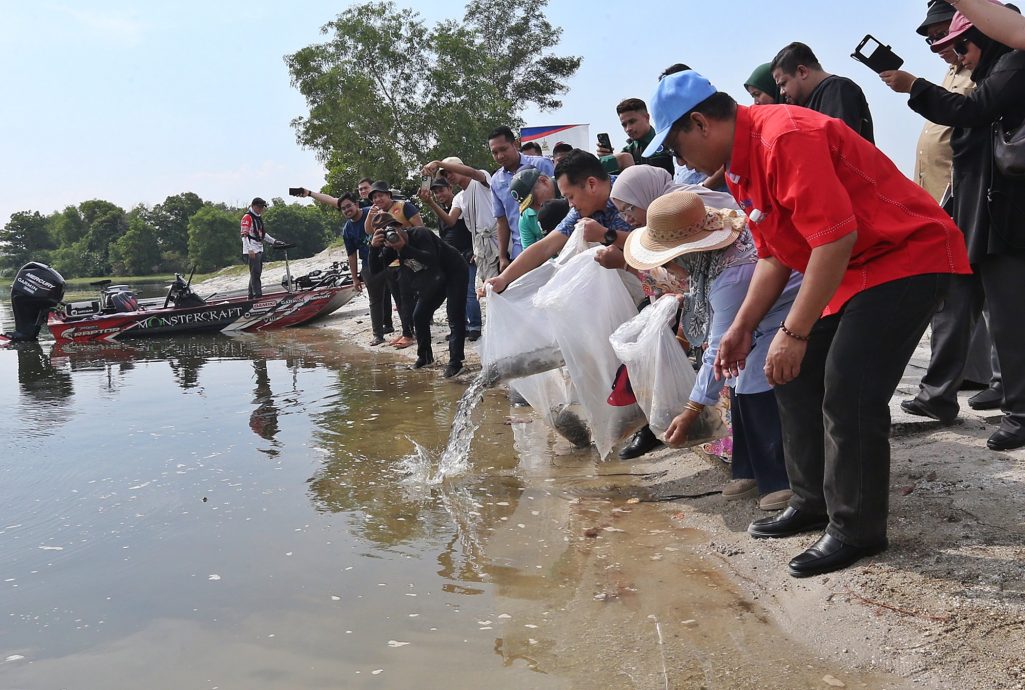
point(429, 259)
point(458, 236)
point(841, 98)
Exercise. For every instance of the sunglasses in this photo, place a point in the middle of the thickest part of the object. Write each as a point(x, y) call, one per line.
point(939, 36)
point(961, 47)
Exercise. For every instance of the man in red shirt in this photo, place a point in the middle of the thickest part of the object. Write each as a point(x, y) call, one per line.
point(876, 252)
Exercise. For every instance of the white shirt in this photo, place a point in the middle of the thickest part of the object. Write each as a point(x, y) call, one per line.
point(478, 197)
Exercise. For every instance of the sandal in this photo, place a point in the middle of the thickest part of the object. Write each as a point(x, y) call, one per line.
point(403, 343)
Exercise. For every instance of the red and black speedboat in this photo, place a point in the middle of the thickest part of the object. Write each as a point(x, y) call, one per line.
point(117, 314)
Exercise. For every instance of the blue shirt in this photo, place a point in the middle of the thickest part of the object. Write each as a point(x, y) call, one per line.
point(727, 294)
point(502, 202)
point(355, 236)
point(608, 217)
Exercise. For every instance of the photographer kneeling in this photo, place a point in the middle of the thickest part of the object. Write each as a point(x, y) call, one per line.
point(439, 274)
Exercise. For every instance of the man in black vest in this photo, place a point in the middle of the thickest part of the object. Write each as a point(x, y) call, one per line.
point(253, 237)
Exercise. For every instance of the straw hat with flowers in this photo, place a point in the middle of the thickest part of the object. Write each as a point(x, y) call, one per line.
point(678, 224)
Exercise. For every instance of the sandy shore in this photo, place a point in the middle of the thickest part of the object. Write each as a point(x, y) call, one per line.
point(943, 607)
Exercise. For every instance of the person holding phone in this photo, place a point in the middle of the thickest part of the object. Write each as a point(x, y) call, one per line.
point(636, 121)
point(988, 205)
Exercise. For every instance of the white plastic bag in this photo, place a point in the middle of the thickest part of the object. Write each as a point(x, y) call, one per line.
point(585, 303)
point(518, 339)
point(660, 373)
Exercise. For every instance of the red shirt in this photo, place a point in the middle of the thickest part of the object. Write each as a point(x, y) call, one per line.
point(806, 180)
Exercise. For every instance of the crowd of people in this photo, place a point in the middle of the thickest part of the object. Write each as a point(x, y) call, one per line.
point(807, 265)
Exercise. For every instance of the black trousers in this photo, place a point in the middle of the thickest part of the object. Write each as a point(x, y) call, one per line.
point(452, 291)
point(255, 274)
point(398, 281)
point(953, 330)
point(836, 414)
point(380, 301)
point(1003, 278)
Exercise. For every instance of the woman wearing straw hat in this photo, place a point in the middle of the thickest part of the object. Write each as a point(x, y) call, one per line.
point(710, 251)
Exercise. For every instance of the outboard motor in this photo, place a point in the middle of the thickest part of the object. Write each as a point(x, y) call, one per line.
point(35, 291)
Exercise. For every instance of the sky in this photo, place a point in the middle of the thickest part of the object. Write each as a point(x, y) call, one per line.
point(132, 102)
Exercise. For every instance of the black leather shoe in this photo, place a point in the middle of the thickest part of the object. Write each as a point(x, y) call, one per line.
point(452, 369)
point(473, 335)
point(829, 554)
point(788, 523)
point(642, 442)
point(421, 362)
point(990, 399)
point(920, 409)
point(376, 341)
point(1005, 440)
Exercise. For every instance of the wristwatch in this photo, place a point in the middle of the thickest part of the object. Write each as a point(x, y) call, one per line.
point(609, 238)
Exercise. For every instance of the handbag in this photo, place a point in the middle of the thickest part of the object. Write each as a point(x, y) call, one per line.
point(1009, 150)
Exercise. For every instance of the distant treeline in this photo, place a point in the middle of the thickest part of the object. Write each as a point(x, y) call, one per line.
point(99, 238)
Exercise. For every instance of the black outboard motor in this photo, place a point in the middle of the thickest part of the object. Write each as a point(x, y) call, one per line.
point(35, 291)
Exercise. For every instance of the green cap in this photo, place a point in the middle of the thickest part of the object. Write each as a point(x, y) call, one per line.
point(522, 187)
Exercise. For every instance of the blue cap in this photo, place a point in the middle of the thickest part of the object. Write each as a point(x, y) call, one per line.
point(676, 95)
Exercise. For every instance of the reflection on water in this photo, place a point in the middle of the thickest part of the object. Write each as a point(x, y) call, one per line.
point(235, 513)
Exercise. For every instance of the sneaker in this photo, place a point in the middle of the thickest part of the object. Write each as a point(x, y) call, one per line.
point(737, 489)
point(473, 336)
point(775, 500)
point(376, 341)
point(421, 362)
point(452, 369)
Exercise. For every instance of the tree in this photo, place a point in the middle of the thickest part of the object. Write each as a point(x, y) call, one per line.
point(67, 226)
point(213, 238)
point(170, 221)
point(26, 237)
point(308, 227)
point(387, 93)
point(136, 252)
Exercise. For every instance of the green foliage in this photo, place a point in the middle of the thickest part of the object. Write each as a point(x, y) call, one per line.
point(213, 238)
point(170, 221)
point(387, 93)
point(68, 226)
point(136, 252)
point(309, 227)
point(26, 237)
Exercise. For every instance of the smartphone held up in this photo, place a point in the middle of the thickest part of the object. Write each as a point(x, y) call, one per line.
point(876, 56)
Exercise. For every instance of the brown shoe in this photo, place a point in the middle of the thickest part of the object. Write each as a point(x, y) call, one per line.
point(775, 500)
point(737, 489)
point(403, 343)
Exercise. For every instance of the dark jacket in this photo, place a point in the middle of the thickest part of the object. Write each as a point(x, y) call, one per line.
point(988, 207)
point(429, 260)
point(841, 98)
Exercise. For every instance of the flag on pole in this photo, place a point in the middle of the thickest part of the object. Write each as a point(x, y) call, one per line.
point(577, 136)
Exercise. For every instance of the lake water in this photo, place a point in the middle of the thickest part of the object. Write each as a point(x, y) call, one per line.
point(238, 513)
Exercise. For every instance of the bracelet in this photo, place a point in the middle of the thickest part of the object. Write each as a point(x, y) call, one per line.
point(783, 327)
point(693, 406)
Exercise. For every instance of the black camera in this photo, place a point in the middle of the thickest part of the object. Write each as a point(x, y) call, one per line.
point(391, 236)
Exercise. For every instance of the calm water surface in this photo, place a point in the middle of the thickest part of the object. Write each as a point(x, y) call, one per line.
point(237, 513)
